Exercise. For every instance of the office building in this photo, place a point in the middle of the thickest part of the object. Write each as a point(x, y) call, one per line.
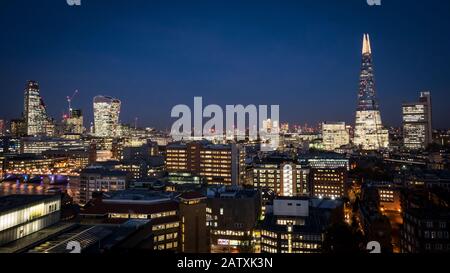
point(35, 113)
point(324, 161)
point(218, 164)
point(335, 135)
point(232, 217)
point(369, 131)
point(73, 122)
point(106, 117)
point(297, 225)
point(426, 221)
point(152, 167)
point(22, 215)
point(31, 164)
point(9, 145)
point(38, 145)
point(328, 183)
point(99, 179)
point(417, 123)
point(2, 127)
point(284, 176)
point(178, 221)
point(193, 230)
point(18, 127)
point(122, 206)
point(130, 236)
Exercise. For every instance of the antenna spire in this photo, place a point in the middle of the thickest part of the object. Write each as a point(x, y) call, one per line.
point(366, 45)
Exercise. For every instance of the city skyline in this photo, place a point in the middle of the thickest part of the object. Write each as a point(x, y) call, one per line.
point(168, 60)
point(167, 128)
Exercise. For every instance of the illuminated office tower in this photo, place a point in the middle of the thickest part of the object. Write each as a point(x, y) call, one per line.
point(106, 116)
point(328, 183)
point(369, 131)
point(18, 127)
point(335, 135)
point(283, 176)
point(35, 114)
point(284, 128)
point(74, 122)
point(218, 164)
point(417, 123)
point(2, 127)
point(23, 215)
point(269, 125)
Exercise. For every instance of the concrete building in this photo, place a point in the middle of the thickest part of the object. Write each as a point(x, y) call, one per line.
point(284, 176)
point(218, 164)
point(106, 117)
point(73, 123)
point(426, 222)
point(335, 135)
point(232, 217)
point(178, 221)
point(297, 225)
point(417, 123)
point(328, 183)
point(324, 161)
point(100, 179)
point(22, 215)
point(193, 230)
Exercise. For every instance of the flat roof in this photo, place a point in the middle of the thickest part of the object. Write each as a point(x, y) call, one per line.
point(143, 196)
point(315, 223)
point(103, 171)
point(13, 202)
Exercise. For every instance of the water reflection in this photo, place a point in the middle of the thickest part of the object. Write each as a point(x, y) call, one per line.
point(11, 187)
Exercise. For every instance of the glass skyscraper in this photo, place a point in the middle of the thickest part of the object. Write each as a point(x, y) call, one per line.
point(369, 131)
point(417, 123)
point(106, 116)
point(35, 113)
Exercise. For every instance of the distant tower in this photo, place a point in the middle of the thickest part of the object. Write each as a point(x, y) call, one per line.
point(35, 113)
point(106, 116)
point(74, 122)
point(369, 131)
point(417, 123)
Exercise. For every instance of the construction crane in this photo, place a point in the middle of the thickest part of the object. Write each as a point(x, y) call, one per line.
point(69, 101)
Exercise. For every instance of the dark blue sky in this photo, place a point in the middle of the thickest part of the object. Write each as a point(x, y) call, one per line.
point(303, 55)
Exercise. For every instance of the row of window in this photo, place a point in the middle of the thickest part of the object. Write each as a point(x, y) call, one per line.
point(169, 236)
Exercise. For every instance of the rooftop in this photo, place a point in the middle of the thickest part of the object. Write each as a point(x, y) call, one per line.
point(230, 192)
point(12, 202)
point(103, 171)
point(137, 196)
point(316, 223)
point(105, 206)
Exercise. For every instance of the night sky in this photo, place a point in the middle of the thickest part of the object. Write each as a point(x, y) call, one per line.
point(303, 55)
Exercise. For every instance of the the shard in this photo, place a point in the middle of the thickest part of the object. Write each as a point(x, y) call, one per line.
point(369, 131)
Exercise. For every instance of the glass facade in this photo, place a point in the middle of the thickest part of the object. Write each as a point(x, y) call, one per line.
point(417, 123)
point(335, 135)
point(25, 220)
point(369, 131)
point(35, 113)
point(106, 116)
